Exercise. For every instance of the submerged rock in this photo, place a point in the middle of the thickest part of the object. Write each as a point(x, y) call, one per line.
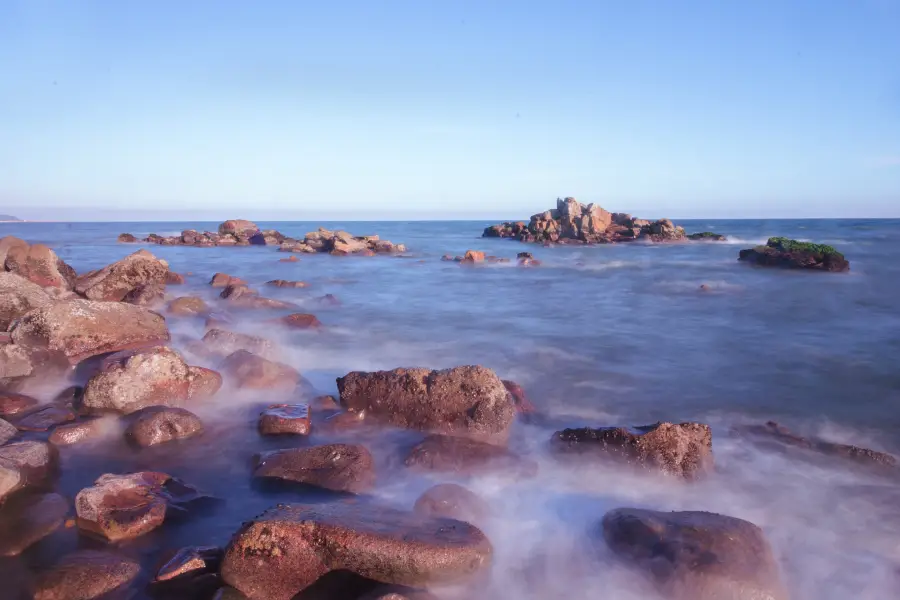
point(117, 280)
point(336, 467)
point(467, 456)
point(222, 280)
point(301, 321)
point(784, 252)
point(25, 465)
point(159, 424)
point(151, 296)
point(188, 306)
point(26, 520)
point(285, 419)
point(86, 575)
point(452, 501)
point(18, 296)
point(284, 283)
point(683, 449)
point(255, 372)
point(286, 549)
point(468, 400)
point(222, 342)
point(696, 555)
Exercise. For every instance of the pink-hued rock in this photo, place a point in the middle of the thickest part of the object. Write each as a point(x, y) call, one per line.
point(12, 404)
point(203, 383)
point(24, 465)
point(39, 264)
point(238, 228)
point(115, 281)
point(300, 321)
point(151, 296)
point(221, 280)
point(221, 342)
point(456, 454)
point(174, 278)
point(336, 467)
point(285, 419)
point(86, 575)
point(74, 433)
point(250, 371)
point(25, 520)
point(18, 296)
point(160, 424)
point(452, 501)
point(188, 306)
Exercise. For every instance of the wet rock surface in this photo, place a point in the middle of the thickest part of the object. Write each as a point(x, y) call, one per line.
point(149, 296)
point(203, 383)
point(26, 464)
point(74, 433)
point(222, 342)
point(469, 400)
point(336, 467)
point(223, 280)
point(466, 456)
point(44, 418)
point(190, 572)
point(12, 404)
point(188, 306)
point(452, 501)
point(114, 282)
point(7, 431)
point(300, 321)
point(696, 555)
point(683, 449)
point(791, 254)
point(27, 519)
point(250, 371)
point(285, 419)
point(86, 575)
point(286, 549)
point(158, 424)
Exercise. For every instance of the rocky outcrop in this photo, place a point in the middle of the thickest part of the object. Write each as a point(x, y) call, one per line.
point(25, 520)
point(573, 222)
point(696, 555)
point(791, 254)
point(122, 507)
point(341, 243)
point(126, 238)
point(286, 549)
point(250, 371)
point(452, 501)
point(469, 400)
point(466, 456)
point(25, 465)
point(79, 329)
point(683, 450)
point(86, 575)
point(114, 282)
point(160, 424)
point(238, 228)
point(280, 419)
point(18, 296)
point(36, 263)
point(336, 467)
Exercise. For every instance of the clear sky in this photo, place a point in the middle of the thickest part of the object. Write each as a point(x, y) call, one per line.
point(448, 109)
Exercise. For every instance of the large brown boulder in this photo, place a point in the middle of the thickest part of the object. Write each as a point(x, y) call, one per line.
point(25, 520)
point(41, 265)
point(86, 575)
point(683, 450)
point(121, 507)
point(114, 282)
point(221, 280)
point(25, 465)
point(203, 383)
point(79, 329)
point(238, 228)
point(130, 381)
point(281, 419)
point(336, 467)
point(6, 244)
point(188, 306)
point(250, 371)
point(159, 424)
point(286, 549)
point(696, 555)
point(468, 400)
point(221, 342)
point(18, 296)
point(462, 455)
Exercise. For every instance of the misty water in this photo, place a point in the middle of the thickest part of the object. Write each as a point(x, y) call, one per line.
point(601, 335)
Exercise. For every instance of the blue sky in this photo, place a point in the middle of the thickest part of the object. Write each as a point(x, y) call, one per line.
point(427, 109)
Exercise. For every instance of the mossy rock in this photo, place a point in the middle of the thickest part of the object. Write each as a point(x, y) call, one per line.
point(785, 252)
point(707, 236)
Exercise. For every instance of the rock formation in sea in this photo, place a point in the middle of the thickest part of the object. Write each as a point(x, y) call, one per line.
point(792, 254)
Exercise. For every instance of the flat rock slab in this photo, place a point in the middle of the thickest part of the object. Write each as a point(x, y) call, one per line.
point(683, 449)
point(285, 419)
point(696, 555)
point(24, 465)
point(452, 501)
point(336, 467)
point(25, 520)
point(159, 424)
point(287, 548)
point(467, 456)
point(85, 575)
point(121, 507)
point(45, 418)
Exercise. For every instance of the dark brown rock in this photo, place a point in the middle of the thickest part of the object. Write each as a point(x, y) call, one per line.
point(86, 575)
point(283, 283)
point(398, 592)
point(25, 465)
point(45, 418)
point(452, 501)
point(467, 400)
point(285, 550)
point(117, 280)
point(683, 449)
point(285, 419)
point(336, 467)
point(39, 264)
point(126, 238)
point(301, 321)
point(159, 424)
point(74, 433)
point(27, 519)
point(462, 455)
point(151, 296)
point(12, 404)
point(221, 280)
point(222, 342)
point(787, 253)
point(79, 329)
point(255, 372)
point(174, 278)
point(696, 555)
point(188, 306)
point(18, 296)
point(238, 228)
point(233, 291)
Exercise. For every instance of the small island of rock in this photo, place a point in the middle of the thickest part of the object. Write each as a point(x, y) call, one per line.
point(9, 219)
point(788, 253)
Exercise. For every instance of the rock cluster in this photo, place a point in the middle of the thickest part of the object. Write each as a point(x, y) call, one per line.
point(340, 243)
point(573, 222)
point(784, 252)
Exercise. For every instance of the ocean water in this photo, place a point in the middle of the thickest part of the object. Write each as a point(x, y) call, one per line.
point(597, 335)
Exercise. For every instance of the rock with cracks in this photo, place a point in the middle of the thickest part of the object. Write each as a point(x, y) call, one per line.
point(336, 467)
point(114, 282)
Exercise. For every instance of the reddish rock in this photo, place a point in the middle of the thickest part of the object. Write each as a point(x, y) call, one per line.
point(238, 228)
point(325, 403)
point(191, 572)
point(25, 520)
point(79, 329)
point(285, 418)
point(7, 431)
point(45, 418)
point(222, 342)
point(160, 424)
point(86, 575)
point(16, 363)
point(221, 280)
point(233, 291)
point(696, 555)
point(18, 296)
point(683, 449)
point(174, 278)
point(336, 467)
point(74, 433)
point(283, 283)
point(151, 296)
point(188, 306)
point(255, 372)
point(468, 400)
point(291, 258)
point(520, 400)
point(12, 404)
point(7, 243)
point(301, 321)
point(467, 456)
point(122, 507)
point(25, 465)
point(203, 383)
point(344, 421)
point(39, 264)
point(130, 381)
point(115, 281)
point(473, 256)
point(286, 549)
point(452, 501)
point(126, 238)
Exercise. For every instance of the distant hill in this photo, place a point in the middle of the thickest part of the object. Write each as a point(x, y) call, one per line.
point(9, 218)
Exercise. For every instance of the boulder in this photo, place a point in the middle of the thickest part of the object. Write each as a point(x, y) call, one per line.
point(39, 264)
point(473, 256)
point(159, 424)
point(79, 329)
point(519, 399)
point(707, 236)
point(683, 450)
point(12, 404)
point(7, 431)
point(122, 507)
point(174, 278)
point(452, 501)
point(255, 372)
point(222, 342)
point(336, 467)
point(126, 238)
point(27, 519)
point(74, 433)
point(188, 306)
point(151, 295)
point(45, 418)
point(233, 291)
point(285, 419)
point(6, 244)
point(787, 253)
point(462, 455)
point(86, 575)
point(286, 549)
point(221, 280)
point(696, 555)
point(203, 383)
point(469, 400)
point(25, 465)
point(115, 281)
point(130, 381)
point(15, 363)
point(283, 283)
point(238, 228)
point(300, 321)
point(18, 296)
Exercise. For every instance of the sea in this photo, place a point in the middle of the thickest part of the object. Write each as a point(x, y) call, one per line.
point(625, 334)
